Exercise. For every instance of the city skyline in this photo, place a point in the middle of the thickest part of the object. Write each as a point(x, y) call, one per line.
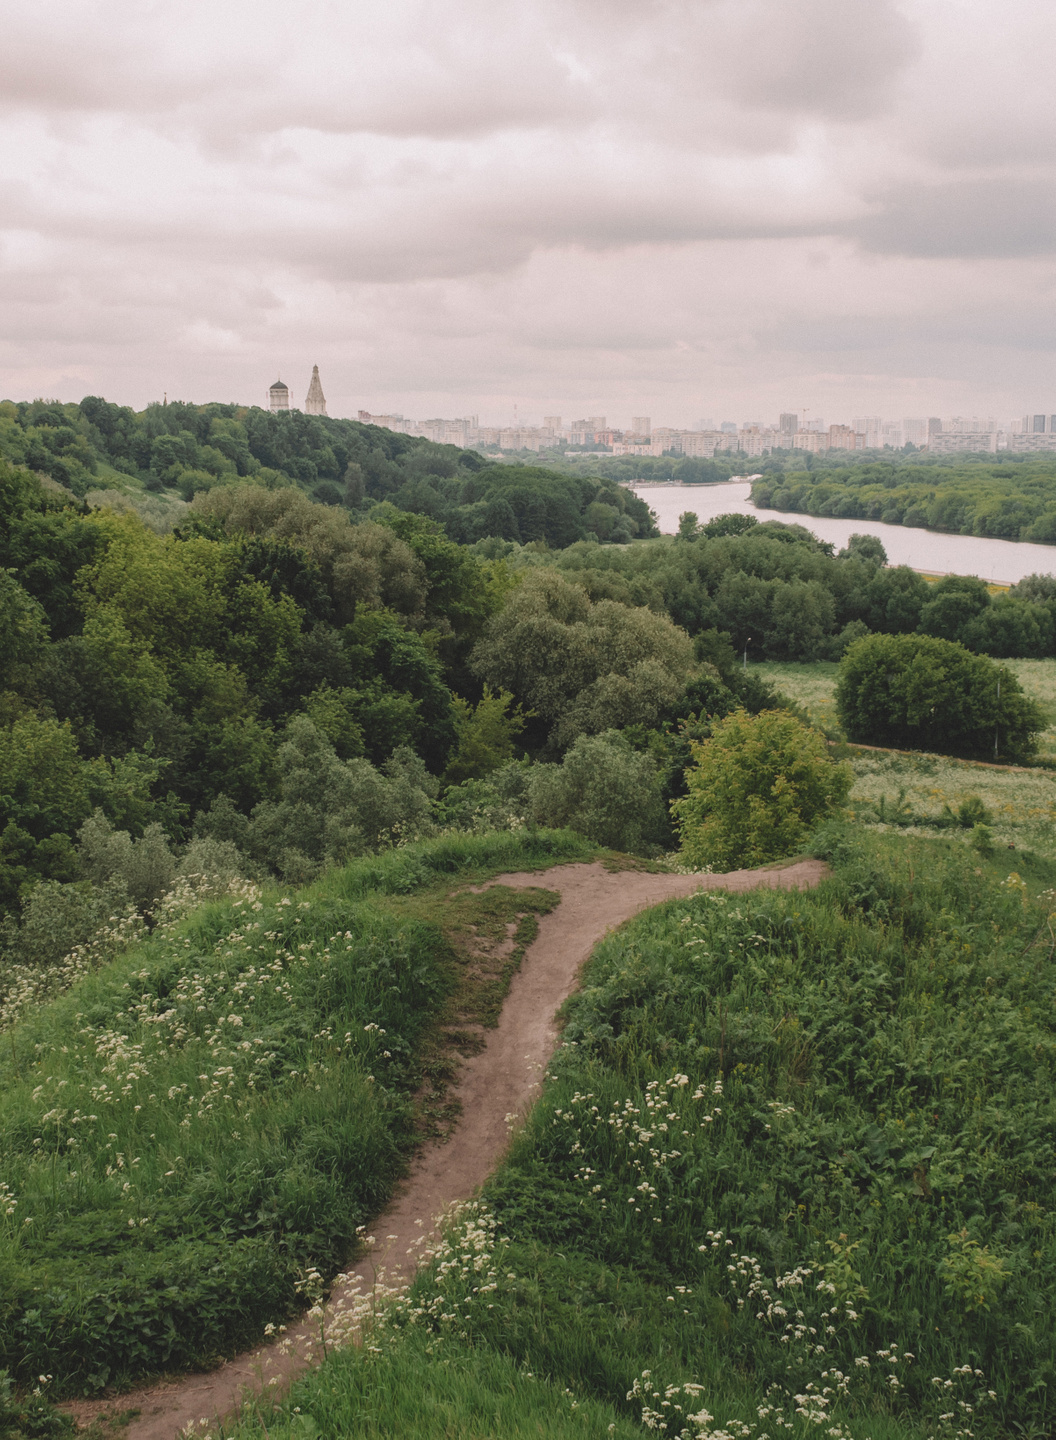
point(1034, 432)
point(878, 429)
point(451, 209)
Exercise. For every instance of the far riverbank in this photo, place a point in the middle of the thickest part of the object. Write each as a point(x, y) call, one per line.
point(1002, 562)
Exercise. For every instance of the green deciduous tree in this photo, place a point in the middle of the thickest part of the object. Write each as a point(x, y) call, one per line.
point(331, 809)
point(360, 564)
point(758, 787)
point(921, 693)
point(23, 630)
point(486, 734)
point(583, 668)
point(603, 789)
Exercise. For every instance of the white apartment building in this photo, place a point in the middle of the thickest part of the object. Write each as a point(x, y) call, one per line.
point(1042, 440)
point(872, 427)
point(964, 442)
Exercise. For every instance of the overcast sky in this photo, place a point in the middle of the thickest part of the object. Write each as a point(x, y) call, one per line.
point(717, 208)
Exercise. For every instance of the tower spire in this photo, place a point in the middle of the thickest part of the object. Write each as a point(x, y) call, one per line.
point(316, 401)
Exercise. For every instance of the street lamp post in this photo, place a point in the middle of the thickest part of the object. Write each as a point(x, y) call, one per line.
point(997, 721)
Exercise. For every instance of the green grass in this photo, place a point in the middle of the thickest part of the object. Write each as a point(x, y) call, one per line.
point(814, 687)
point(791, 1140)
point(185, 1133)
point(921, 789)
point(913, 790)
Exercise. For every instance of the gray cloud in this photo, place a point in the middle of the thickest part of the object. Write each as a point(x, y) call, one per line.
point(1000, 216)
point(650, 200)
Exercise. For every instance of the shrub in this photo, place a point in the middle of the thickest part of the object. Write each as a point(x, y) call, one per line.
point(918, 692)
point(759, 786)
point(331, 809)
point(486, 735)
point(604, 790)
point(146, 867)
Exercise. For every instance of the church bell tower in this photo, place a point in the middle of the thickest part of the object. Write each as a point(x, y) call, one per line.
point(316, 401)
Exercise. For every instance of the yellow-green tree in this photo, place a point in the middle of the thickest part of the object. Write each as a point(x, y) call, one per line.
point(759, 786)
point(486, 735)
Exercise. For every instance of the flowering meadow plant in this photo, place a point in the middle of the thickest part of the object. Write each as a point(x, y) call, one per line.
point(791, 1175)
point(195, 1120)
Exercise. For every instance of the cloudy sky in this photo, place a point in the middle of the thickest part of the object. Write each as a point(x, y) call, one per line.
point(680, 208)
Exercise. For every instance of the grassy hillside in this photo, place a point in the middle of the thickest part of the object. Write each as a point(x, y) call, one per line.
point(188, 1131)
point(791, 1174)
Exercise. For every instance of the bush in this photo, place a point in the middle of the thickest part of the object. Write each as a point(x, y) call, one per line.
point(486, 735)
point(145, 867)
point(918, 692)
point(604, 790)
point(331, 809)
point(759, 786)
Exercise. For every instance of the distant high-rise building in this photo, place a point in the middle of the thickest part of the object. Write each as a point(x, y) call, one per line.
point(552, 422)
point(918, 429)
point(641, 425)
point(842, 437)
point(596, 423)
point(728, 427)
point(872, 428)
point(788, 423)
point(1038, 426)
point(278, 397)
point(707, 423)
point(316, 401)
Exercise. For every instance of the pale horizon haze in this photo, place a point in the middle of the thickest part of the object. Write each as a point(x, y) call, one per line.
point(726, 209)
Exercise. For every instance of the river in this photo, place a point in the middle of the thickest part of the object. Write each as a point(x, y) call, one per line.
point(1001, 561)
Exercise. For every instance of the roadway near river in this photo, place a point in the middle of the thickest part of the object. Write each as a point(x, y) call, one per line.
point(1001, 561)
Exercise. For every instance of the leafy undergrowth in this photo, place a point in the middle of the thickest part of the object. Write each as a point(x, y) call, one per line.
point(192, 1128)
point(792, 1174)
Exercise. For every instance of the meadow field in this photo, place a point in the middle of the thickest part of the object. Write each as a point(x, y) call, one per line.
point(900, 789)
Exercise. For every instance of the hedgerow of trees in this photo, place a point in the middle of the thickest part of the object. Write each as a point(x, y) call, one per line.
point(1011, 498)
point(184, 450)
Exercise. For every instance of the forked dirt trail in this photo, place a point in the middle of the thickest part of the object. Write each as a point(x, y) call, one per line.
point(494, 1087)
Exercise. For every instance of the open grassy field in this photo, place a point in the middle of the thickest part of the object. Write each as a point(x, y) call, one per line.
point(814, 687)
point(792, 1174)
point(189, 1131)
point(898, 788)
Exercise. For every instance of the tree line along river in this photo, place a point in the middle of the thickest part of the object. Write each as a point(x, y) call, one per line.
point(1003, 562)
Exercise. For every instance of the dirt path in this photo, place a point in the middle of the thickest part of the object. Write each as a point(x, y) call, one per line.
point(494, 1088)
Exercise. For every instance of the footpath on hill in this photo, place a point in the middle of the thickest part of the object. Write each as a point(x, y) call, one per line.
point(494, 1089)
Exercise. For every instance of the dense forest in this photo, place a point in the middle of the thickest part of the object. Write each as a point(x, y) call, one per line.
point(303, 668)
point(179, 451)
point(1011, 497)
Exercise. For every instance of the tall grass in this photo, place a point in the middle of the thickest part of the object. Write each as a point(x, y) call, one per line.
point(792, 1173)
point(189, 1130)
